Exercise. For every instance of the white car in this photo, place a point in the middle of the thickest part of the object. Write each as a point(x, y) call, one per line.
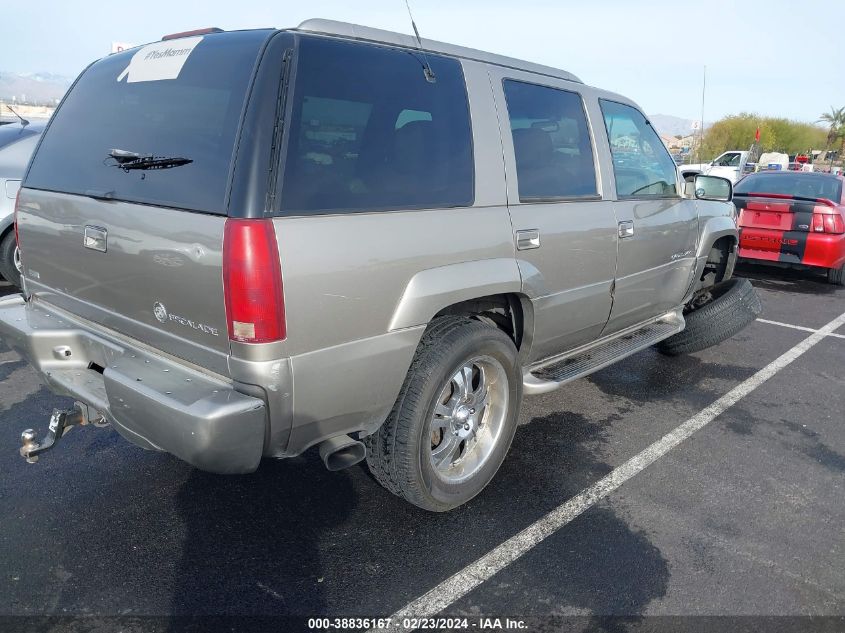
point(17, 142)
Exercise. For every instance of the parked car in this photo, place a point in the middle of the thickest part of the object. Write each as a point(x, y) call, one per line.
point(731, 165)
point(793, 219)
point(17, 142)
point(244, 244)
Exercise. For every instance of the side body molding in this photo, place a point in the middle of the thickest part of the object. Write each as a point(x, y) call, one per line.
point(429, 291)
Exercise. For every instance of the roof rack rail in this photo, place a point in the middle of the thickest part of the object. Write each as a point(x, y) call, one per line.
point(358, 32)
point(206, 31)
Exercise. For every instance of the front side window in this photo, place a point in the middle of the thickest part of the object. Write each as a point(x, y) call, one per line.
point(551, 142)
point(728, 160)
point(369, 132)
point(641, 163)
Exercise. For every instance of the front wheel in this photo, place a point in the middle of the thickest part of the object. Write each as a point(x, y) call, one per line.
point(729, 307)
point(10, 259)
point(454, 419)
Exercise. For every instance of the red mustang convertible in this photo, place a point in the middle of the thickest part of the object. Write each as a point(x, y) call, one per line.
point(793, 219)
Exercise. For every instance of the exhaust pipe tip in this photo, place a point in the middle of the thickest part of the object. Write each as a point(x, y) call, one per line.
point(341, 452)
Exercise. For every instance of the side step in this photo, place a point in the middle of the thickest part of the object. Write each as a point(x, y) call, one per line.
point(554, 372)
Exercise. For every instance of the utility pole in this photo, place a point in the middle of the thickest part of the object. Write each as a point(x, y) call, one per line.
point(703, 91)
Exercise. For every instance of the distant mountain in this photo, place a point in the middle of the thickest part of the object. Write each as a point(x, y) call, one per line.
point(32, 88)
point(668, 125)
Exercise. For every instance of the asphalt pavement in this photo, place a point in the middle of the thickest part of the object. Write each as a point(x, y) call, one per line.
point(742, 519)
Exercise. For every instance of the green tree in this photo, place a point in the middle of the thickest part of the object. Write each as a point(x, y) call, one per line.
point(835, 120)
point(776, 135)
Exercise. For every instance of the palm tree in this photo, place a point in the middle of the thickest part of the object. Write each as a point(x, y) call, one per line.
point(835, 120)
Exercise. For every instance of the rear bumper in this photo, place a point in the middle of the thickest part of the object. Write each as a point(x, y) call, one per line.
point(152, 400)
point(816, 250)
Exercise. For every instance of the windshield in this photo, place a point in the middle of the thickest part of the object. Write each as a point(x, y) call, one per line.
point(799, 185)
point(143, 102)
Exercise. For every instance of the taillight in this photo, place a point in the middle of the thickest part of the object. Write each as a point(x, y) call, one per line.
point(252, 281)
point(828, 220)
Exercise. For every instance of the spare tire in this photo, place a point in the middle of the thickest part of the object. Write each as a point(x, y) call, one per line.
point(734, 305)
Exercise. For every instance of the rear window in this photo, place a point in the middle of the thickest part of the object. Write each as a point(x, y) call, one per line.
point(154, 108)
point(800, 185)
point(370, 132)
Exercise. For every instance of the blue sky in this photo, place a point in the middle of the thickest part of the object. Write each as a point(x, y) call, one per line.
point(774, 57)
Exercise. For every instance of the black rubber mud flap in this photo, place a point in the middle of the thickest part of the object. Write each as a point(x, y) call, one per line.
point(735, 304)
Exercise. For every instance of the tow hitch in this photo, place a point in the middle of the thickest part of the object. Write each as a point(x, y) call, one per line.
point(60, 423)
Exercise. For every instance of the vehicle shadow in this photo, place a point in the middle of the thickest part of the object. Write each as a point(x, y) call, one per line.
point(786, 279)
point(6, 288)
point(251, 542)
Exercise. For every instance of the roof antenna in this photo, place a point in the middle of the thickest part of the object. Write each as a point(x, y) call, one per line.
point(24, 122)
point(429, 73)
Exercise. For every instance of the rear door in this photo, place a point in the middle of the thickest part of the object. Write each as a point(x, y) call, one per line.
point(135, 248)
point(564, 231)
point(658, 229)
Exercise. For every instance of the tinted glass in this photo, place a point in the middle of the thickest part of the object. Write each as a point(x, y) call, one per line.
point(369, 132)
point(551, 142)
point(194, 115)
point(641, 163)
point(801, 185)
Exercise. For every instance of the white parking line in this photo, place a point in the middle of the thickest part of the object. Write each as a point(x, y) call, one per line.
point(457, 586)
point(797, 327)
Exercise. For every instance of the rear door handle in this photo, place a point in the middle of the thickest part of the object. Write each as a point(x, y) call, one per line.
point(626, 228)
point(527, 239)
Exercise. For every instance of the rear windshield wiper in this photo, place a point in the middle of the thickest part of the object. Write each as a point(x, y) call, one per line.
point(128, 161)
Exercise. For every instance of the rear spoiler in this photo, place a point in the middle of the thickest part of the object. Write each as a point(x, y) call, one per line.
point(786, 196)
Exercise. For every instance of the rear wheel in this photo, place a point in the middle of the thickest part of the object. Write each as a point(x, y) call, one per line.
point(836, 276)
point(10, 260)
point(454, 419)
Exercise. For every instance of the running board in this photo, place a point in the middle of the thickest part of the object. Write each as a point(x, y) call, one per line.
point(554, 372)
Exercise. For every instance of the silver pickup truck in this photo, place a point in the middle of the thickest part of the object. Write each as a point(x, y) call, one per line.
point(240, 245)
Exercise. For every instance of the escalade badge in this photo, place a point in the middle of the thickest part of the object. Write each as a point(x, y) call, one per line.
point(160, 311)
point(164, 316)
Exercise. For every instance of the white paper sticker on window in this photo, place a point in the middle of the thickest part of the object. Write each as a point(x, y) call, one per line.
point(162, 60)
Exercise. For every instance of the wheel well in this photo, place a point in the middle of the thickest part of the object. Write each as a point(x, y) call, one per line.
point(716, 268)
point(504, 311)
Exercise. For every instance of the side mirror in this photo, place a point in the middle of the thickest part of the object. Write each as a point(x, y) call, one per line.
point(713, 188)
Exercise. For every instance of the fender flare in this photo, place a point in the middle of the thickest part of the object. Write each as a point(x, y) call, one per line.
point(431, 290)
point(714, 229)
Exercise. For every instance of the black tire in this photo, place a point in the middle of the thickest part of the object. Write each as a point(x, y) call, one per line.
point(398, 453)
point(7, 259)
point(735, 304)
point(836, 276)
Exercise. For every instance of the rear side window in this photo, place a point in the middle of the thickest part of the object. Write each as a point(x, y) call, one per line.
point(800, 185)
point(641, 163)
point(370, 132)
point(194, 115)
point(551, 142)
